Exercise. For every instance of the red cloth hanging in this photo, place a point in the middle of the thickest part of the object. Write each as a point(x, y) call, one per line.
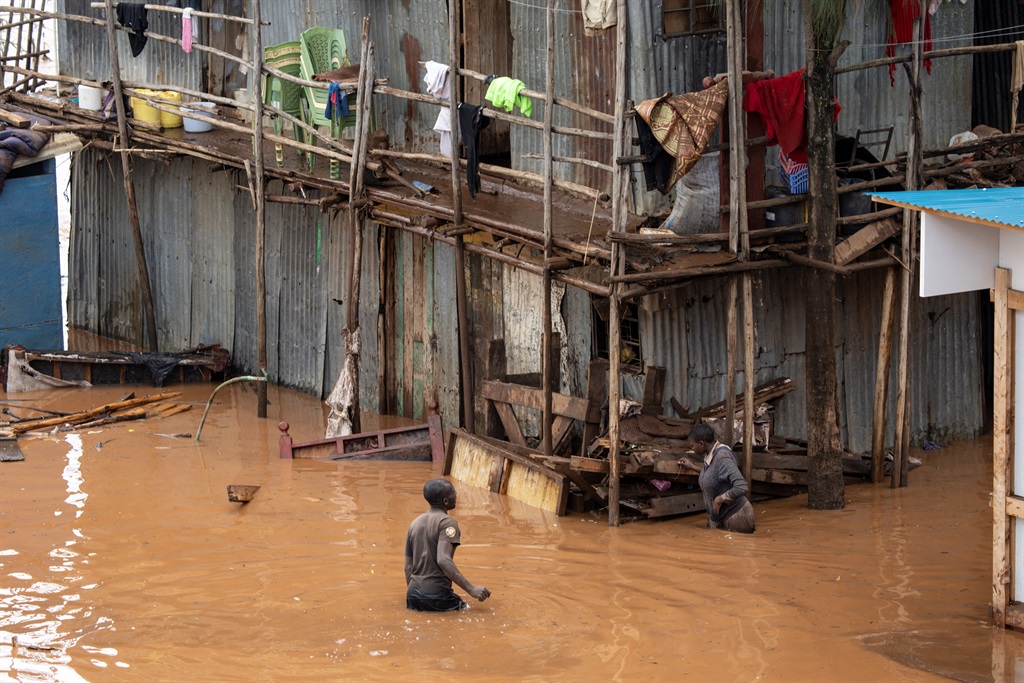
point(780, 102)
point(901, 30)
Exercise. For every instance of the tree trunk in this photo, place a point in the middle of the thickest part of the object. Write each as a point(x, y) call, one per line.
point(824, 450)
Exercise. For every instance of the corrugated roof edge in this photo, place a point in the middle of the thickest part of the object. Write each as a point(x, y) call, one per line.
point(1002, 207)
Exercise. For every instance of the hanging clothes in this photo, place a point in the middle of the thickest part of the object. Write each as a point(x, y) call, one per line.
point(504, 92)
point(188, 28)
point(781, 105)
point(337, 102)
point(658, 167)
point(598, 15)
point(471, 122)
point(136, 17)
point(901, 30)
point(1016, 82)
point(684, 125)
point(436, 81)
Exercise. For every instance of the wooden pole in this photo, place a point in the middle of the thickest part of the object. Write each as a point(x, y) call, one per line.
point(731, 340)
point(901, 455)
point(356, 175)
point(620, 188)
point(256, 45)
point(739, 241)
point(1002, 423)
point(881, 407)
point(129, 183)
point(465, 358)
point(546, 350)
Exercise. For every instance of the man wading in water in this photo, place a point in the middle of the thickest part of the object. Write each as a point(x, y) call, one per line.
point(721, 482)
point(430, 555)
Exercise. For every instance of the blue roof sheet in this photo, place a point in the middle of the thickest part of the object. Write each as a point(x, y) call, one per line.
point(1001, 206)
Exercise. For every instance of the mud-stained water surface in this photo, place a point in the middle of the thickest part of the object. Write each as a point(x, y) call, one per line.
point(121, 559)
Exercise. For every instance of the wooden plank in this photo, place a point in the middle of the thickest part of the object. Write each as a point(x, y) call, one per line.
point(14, 120)
point(1015, 616)
point(528, 397)
point(510, 422)
point(654, 390)
point(560, 432)
point(1015, 506)
point(1002, 423)
point(597, 394)
point(1014, 298)
point(676, 505)
point(864, 240)
point(495, 369)
point(521, 478)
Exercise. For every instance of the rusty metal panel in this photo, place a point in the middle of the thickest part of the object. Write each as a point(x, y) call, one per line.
point(446, 335)
point(685, 330)
point(211, 231)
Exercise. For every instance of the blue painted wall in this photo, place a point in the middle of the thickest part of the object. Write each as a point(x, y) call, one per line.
point(30, 312)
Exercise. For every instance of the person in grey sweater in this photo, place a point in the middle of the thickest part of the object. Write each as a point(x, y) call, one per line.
point(721, 482)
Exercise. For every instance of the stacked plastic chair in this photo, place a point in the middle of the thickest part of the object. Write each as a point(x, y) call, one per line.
point(282, 94)
point(322, 50)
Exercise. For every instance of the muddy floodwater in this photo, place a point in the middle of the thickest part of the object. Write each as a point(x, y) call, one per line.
point(121, 559)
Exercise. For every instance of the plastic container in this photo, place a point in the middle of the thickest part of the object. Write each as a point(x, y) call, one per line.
point(90, 97)
point(784, 215)
point(194, 115)
point(167, 119)
point(142, 110)
point(793, 174)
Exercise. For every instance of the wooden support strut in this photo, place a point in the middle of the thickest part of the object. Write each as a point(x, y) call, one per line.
point(620, 189)
point(261, 207)
point(1002, 424)
point(129, 184)
point(546, 350)
point(881, 403)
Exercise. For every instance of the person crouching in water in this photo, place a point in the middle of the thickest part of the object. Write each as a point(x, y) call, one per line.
point(721, 482)
point(429, 555)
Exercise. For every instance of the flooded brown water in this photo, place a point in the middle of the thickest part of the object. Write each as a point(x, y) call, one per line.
point(120, 550)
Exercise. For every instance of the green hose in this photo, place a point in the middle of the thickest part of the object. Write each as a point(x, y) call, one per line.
point(243, 378)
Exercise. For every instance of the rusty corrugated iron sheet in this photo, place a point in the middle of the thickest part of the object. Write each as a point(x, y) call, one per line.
point(685, 331)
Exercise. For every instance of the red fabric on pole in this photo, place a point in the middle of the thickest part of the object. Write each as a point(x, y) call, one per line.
point(901, 30)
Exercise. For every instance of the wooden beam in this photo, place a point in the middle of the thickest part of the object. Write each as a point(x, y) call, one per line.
point(864, 240)
point(749, 372)
point(654, 390)
point(884, 361)
point(1002, 424)
point(529, 397)
point(1014, 299)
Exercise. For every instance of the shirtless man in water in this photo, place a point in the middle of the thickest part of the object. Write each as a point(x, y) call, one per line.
point(429, 555)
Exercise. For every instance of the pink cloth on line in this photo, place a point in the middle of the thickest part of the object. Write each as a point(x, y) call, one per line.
point(186, 30)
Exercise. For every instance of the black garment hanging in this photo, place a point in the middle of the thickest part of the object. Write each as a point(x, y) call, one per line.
point(471, 122)
point(136, 17)
point(658, 166)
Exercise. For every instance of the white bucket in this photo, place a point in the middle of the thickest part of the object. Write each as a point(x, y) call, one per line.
point(90, 97)
point(194, 115)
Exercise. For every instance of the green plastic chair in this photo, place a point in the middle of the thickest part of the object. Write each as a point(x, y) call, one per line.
point(284, 95)
point(323, 49)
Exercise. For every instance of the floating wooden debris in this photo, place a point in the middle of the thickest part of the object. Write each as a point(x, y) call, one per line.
point(503, 468)
point(242, 493)
point(29, 370)
point(119, 411)
point(10, 451)
point(416, 443)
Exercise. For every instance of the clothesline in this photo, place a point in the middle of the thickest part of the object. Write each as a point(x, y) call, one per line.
point(180, 10)
point(531, 5)
point(994, 33)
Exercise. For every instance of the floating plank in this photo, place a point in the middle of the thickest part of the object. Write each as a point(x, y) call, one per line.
point(10, 451)
point(676, 505)
point(501, 468)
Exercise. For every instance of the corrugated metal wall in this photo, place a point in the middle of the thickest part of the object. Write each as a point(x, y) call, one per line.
point(685, 331)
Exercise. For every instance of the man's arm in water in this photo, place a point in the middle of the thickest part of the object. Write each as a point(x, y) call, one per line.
point(446, 561)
